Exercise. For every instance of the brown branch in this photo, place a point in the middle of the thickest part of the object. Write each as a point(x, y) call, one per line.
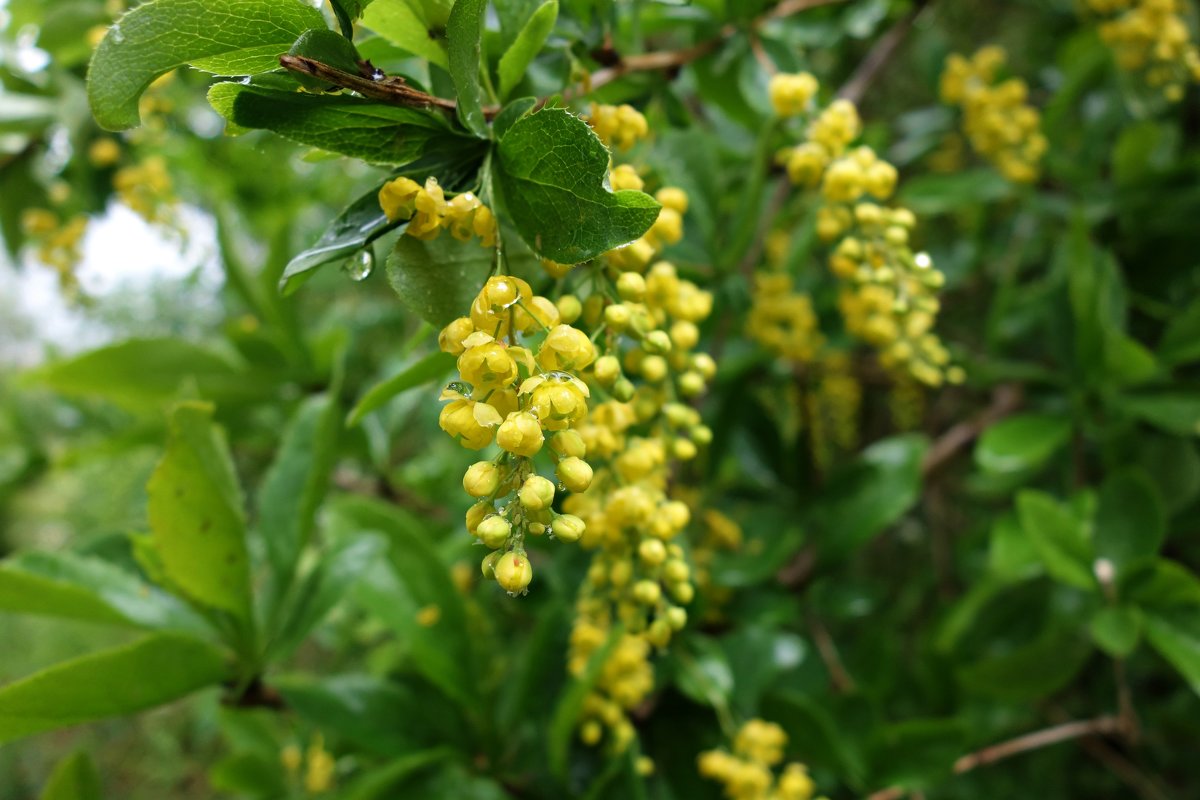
point(256, 695)
point(1100, 726)
point(394, 90)
point(1006, 399)
point(879, 55)
point(838, 676)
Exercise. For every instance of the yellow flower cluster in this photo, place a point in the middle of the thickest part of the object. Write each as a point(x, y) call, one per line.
point(58, 243)
point(889, 297)
point(146, 188)
point(104, 152)
point(999, 124)
point(319, 765)
point(1151, 38)
point(639, 576)
point(518, 399)
point(747, 772)
point(833, 406)
point(791, 93)
point(429, 212)
point(783, 320)
point(620, 126)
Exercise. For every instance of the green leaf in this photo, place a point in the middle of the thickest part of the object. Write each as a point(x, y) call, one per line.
point(1173, 412)
point(1021, 443)
point(353, 126)
point(1131, 523)
point(870, 494)
point(528, 44)
point(1166, 585)
point(406, 24)
point(295, 484)
point(438, 279)
point(360, 708)
point(464, 32)
point(418, 373)
point(935, 193)
point(346, 12)
point(551, 170)
point(196, 517)
point(1060, 538)
point(227, 37)
point(139, 373)
point(1180, 343)
point(381, 783)
point(329, 48)
point(414, 578)
point(1177, 639)
point(150, 672)
point(249, 774)
point(570, 704)
point(74, 778)
point(65, 584)
point(359, 224)
point(1030, 671)
point(1116, 629)
point(1012, 554)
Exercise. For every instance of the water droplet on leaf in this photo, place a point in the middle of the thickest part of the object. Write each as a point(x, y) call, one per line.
point(360, 265)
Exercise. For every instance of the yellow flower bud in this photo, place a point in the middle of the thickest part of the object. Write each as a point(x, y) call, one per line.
point(575, 473)
point(566, 348)
point(568, 527)
point(568, 443)
point(536, 493)
point(513, 572)
point(520, 434)
point(494, 531)
point(569, 308)
point(481, 479)
point(673, 198)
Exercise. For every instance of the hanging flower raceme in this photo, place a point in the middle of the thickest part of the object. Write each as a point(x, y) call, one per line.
point(1152, 41)
point(520, 399)
point(998, 122)
point(747, 773)
point(889, 294)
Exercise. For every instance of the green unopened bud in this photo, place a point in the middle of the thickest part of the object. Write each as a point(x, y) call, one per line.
point(656, 342)
point(647, 592)
point(488, 565)
point(568, 443)
point(513, 572)
point(683, 592)
point(676, 618)
point(659, 633)
point(623, 390)
point(691, 384)
point(569, 308)
point(676, 571)
point(494, 531)
point(575, 473)
point(482, 479)
point(568, 527)
point(536, 493)
point(654, 368)
point(617, 316)
point(631, 287)
point(701, 434)
point(652, 551)
point(608, 370)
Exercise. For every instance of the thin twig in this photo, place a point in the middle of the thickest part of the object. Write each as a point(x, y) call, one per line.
point(838, 676)
point(1100, 726)
point(880, 54)
point(1006, 399)
point(392, 90)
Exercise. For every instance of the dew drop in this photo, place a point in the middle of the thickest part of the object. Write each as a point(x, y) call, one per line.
point(562, 487)
point(360, 265)
point(117, 35)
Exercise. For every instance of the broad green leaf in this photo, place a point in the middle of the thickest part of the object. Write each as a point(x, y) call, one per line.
point(1166, 585)
point(249, 774)
point(1012, 554)
point(418, 373)
point(227, 37)
point(511, 113)
point(377, 716)
point(353, 126)
point(570, 704)
point(381, 783)
point(1060, 538)
point(65, 584)
point(1180, 343)
point(359, 224)
point(438, 279)
point(934, 193)
point(1177, 639)
point(1173, 412)
point(464, 34)
point(1030, 671)
point(323, 588)
point(150, 672)
point(1116, 629)
point(139, 373)
point(758, 656)
point(870, 494)
point(414, 579)
point(196, 517)
point(295, 484)
point(407, 25)
point(551, 170)
point(24, 593)
point(1130, 521)
point(527, 45)
point(74, 778)
point(1021, 443)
